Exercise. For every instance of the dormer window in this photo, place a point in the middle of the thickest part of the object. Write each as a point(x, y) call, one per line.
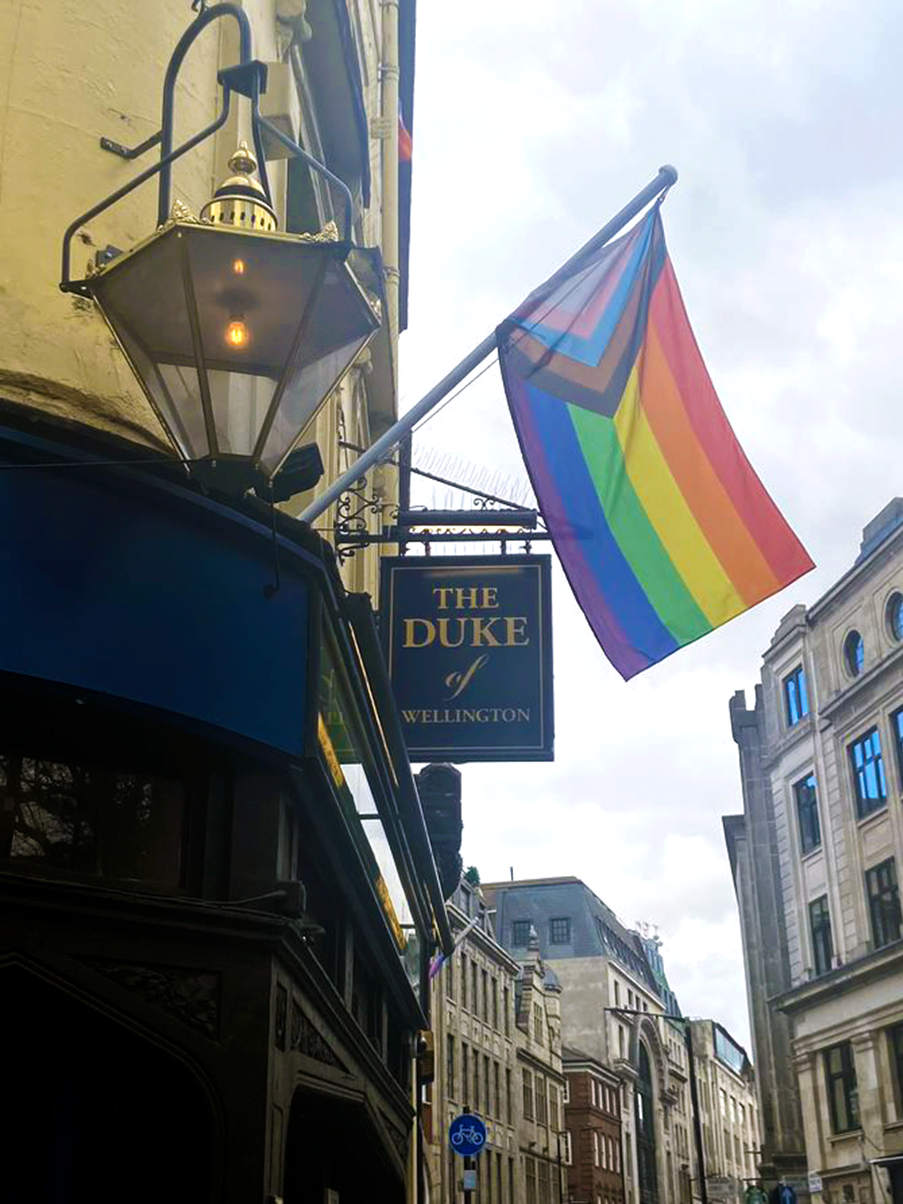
point(520, 933)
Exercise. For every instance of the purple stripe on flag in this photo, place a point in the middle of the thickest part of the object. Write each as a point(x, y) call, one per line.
point(608, 631)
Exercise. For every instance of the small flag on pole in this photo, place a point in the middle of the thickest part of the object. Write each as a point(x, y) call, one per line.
point(441, 958)
point(405, 141)
point(660, 522)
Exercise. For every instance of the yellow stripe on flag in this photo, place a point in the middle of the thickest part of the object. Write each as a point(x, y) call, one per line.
point(680, 533)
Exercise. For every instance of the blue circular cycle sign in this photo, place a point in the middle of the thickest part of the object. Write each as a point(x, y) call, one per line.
point(467, 1135)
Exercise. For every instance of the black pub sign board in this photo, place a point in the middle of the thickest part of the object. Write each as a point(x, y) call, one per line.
point(468, 643)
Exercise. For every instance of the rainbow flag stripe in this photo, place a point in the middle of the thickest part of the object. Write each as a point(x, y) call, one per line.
point(663, 528)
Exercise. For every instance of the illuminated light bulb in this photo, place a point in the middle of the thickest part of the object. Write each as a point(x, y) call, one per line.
point(237, 335)
point(238, 267)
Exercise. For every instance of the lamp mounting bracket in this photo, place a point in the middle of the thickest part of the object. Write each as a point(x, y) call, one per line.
point(248, 79)
point(130, 152)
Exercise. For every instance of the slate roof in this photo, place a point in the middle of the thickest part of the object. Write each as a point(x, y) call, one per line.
point(595, 930)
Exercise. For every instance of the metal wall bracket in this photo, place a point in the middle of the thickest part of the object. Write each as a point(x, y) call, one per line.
point(130, 152)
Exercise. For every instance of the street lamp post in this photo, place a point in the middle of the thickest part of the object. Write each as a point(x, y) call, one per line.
point(694, 1092)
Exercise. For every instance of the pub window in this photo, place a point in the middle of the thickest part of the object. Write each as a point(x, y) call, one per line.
point(884, 903)
point(486, 996)
point(509, 1100)
point(560, 930)
point(498, 1090)
point(507, 1008)
point(820, 928)
point(796, 697)
point(450, 1066)
point(868, 773)
point(843, 1094)
point(73, 816)
point(520, 933)
point(553, 1107)
point(807, 813)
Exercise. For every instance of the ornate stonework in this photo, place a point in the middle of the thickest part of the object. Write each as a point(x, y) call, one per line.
point(192, 996)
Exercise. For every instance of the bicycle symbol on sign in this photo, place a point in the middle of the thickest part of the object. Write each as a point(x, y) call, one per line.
point(472, 1135)
point(467, 1135)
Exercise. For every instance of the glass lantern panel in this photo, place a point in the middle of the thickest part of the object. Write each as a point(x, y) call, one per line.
point(340, 325)
point(240, 403)
point(251, 292)
point(143, 298)
point(145, 293)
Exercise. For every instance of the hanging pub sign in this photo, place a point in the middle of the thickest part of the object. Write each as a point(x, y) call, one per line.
point(469, 647)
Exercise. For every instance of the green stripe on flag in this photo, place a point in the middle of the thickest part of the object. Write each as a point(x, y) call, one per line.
point(632, 531)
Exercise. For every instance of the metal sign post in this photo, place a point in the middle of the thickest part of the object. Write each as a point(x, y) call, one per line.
point(467, 1137)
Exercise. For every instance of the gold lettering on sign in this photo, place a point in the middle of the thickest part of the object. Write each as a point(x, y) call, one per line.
point(410, 640)
point(466, 715)
point(458, 682)
point(466, 631)
point(483, 597)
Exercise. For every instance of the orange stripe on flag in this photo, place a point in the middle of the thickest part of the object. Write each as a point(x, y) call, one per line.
point(711, 504)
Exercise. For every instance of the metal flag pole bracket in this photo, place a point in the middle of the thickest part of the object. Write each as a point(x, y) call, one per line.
point(665, 178)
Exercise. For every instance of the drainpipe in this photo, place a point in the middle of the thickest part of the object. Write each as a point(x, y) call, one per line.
point(388, 72)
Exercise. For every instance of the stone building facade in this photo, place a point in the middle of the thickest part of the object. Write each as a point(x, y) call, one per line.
point(497, 1041)
point(818, 854)
point(729, 1110)
point(611, 1004)
point(592, 1117)
point(475, 1041)
point(538, 1002)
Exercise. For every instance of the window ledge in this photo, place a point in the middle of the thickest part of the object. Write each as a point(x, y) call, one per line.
point(812, 853)
point(850, 1135)
point(863, 820)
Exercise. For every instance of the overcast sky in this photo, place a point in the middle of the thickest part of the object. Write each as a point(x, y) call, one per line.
point(535, 122)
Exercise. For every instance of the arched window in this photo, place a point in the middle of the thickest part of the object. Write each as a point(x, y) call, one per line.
point(894, 616)
point(645, 1129)
point(854, 653)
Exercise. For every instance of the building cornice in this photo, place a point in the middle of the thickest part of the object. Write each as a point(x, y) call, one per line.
point(842, 980)
point(861, 569)
point(891, 663)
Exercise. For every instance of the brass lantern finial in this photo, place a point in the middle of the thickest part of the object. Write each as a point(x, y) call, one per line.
point(240, 200)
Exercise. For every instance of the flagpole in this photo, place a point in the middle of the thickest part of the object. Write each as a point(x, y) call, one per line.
point(667, 176)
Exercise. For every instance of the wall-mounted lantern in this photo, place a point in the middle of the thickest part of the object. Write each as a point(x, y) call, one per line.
point(236, 332)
